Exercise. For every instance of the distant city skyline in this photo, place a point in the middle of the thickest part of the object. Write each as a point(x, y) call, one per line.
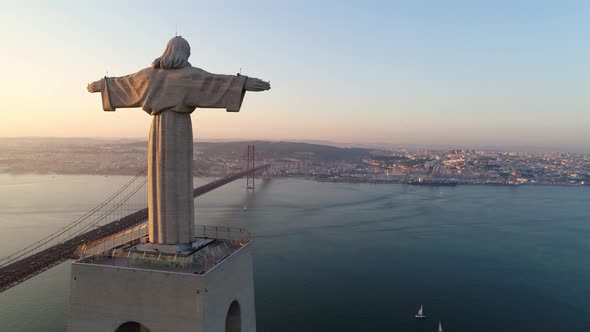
point(352, 144)
point(501, 74)
point(313, 161)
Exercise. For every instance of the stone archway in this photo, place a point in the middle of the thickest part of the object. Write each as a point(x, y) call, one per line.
point(132, 327)
point(233, 321)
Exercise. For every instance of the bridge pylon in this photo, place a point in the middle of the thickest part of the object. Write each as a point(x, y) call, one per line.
point(250, 165)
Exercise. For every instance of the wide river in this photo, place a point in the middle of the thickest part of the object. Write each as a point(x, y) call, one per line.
point(353, 257)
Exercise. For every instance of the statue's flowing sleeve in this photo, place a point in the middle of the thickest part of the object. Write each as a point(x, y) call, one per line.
point(126, 91)
point(216, 91)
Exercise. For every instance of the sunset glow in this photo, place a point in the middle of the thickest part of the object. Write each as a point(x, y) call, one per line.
point(512, 75)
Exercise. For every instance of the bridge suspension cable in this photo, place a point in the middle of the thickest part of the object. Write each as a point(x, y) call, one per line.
point(62, 235)
point(109, 212)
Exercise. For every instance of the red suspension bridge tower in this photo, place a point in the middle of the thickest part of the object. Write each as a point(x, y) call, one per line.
point(250, 164)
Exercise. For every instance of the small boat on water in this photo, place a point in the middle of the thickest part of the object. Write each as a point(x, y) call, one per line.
point(245, 208)
point(420, 314)
point(440, 327)
point(428, 182)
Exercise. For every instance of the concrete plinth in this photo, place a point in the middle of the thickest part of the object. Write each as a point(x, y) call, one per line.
point(111, 294)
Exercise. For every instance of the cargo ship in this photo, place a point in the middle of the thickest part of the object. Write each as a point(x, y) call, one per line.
point(428, 182)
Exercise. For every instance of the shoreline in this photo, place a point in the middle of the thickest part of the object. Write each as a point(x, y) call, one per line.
point(303, 177)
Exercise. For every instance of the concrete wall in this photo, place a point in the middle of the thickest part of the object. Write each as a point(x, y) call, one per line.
point(226, 283)
point(104, 297)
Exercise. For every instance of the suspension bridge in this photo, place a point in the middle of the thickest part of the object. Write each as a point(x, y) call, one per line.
point(108, 220)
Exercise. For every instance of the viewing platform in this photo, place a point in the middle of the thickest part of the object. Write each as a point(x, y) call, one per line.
point(122, 280)
point(129, 249)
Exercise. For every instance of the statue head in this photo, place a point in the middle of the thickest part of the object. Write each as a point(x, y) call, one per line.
point(175, 56)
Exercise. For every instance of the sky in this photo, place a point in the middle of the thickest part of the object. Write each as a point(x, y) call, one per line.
point(485, 73)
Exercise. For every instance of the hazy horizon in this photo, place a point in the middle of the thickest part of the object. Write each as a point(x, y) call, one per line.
point(367, 145)
point(501, 74)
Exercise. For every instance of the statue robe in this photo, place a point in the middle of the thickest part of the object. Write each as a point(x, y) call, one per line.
point(170, 96)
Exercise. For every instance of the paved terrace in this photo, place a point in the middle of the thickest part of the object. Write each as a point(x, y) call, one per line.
point(218, 243)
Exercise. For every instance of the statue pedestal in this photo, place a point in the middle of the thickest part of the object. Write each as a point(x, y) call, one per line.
point(210, 289)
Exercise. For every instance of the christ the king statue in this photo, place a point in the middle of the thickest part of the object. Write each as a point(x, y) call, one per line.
point(170, 90)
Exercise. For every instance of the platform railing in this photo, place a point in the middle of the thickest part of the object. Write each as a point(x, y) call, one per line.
point(100, 246)
point(106, 245)
point(223, 233)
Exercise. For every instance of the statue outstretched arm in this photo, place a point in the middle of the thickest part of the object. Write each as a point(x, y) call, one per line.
point(94, 86)
point(256, 85)
point(123, 92)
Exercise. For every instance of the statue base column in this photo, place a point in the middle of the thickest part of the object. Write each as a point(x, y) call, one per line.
point(171, 206)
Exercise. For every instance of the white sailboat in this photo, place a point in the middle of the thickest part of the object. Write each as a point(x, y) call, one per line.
point(245, 208)
point(420, 314)
point(440, 327)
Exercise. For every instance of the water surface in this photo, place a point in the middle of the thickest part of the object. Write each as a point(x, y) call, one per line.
point(354, 257)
